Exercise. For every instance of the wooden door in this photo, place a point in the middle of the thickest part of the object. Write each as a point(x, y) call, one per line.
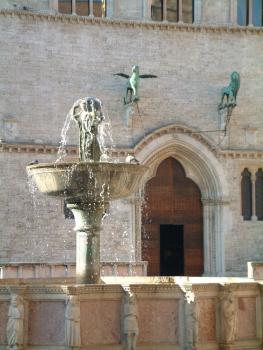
point(173, 199)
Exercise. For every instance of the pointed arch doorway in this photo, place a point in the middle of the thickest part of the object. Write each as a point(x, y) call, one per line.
point(172, 223)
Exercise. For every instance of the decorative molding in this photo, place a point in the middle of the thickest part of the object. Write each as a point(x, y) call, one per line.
point(52, 149)
point(75, 19)
point(241, 154)
point(72, 151)
point(215, 201)
point(175, 129)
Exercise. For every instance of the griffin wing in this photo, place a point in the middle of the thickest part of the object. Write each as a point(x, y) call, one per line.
point(143, 76)
point(122, 75)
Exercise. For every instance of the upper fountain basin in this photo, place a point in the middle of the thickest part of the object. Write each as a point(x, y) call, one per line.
point(87, 181)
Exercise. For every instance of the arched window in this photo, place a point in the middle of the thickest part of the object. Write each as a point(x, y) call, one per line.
point(173, 10)
point(246, 194)
point(95, 8)
point(259, 194)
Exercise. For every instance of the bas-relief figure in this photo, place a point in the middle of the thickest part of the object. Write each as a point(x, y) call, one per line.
point(191, 321)
point(229, 317)
point(72, 326)
point(87, 113)
point(15, 323)
point(132, 87)
point(130, 321)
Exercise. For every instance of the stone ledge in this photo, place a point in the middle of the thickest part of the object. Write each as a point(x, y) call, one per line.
point(67, 270)
point(72, 151)
point(75, 19)
point(51, 149)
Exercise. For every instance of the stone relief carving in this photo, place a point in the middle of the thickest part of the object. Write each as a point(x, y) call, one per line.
point(15, 323)
point(72, 326)
point(191, 321)
point(229, 317)
point(130, 327)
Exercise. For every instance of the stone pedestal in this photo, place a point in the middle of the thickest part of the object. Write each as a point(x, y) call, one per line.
point(255, 270)
point(88, 219)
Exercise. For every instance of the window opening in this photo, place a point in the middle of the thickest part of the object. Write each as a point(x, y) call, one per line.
point(257, 13)
point(157, 10)
point(246, 193)
point(65, 6)
point(242, 12)
point(188, 11)
point(172, 10)
point(259, 194)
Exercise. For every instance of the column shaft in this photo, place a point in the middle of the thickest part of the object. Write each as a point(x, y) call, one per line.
point(180, 11)
point(164, 10)
point(91, 8)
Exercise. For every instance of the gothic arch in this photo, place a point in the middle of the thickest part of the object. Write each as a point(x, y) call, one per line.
point(198, 157)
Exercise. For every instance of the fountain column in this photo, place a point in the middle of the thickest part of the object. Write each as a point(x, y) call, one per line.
point(88, 218)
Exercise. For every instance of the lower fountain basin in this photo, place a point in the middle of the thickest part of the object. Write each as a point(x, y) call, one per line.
point(86, 181)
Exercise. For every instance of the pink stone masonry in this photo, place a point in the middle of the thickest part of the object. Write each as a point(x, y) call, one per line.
point(46, 323)
point(100, 322)
point(207, 320)
point(247, 323)
point(3, 321)
point(153, 315)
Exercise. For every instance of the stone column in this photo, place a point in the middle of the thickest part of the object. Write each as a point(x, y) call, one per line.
point(73, 7)
point(208, 241)
point(146, 10)
point(253, 180)
point(219, 237)
point(213, 215)
point(164, 10)
point(91, 8)
point(180, 11)
point(88, 219)
point(136, 202)
point(233, 12)
point(198, 12)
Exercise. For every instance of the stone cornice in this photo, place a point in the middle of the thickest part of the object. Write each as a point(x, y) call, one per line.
point(52, 149)
point(64, 289)
point(241, 154)
point(74, 19)
point(122, 152)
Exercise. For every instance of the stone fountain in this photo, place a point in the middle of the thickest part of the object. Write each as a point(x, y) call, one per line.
point(87, 186)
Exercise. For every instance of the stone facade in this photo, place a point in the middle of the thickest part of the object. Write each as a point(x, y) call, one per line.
point(49, 60)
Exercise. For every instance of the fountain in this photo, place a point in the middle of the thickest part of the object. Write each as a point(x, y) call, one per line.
point(87, 186)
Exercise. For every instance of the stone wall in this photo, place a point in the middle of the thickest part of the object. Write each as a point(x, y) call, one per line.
point(50, 61)
point(59, 62)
